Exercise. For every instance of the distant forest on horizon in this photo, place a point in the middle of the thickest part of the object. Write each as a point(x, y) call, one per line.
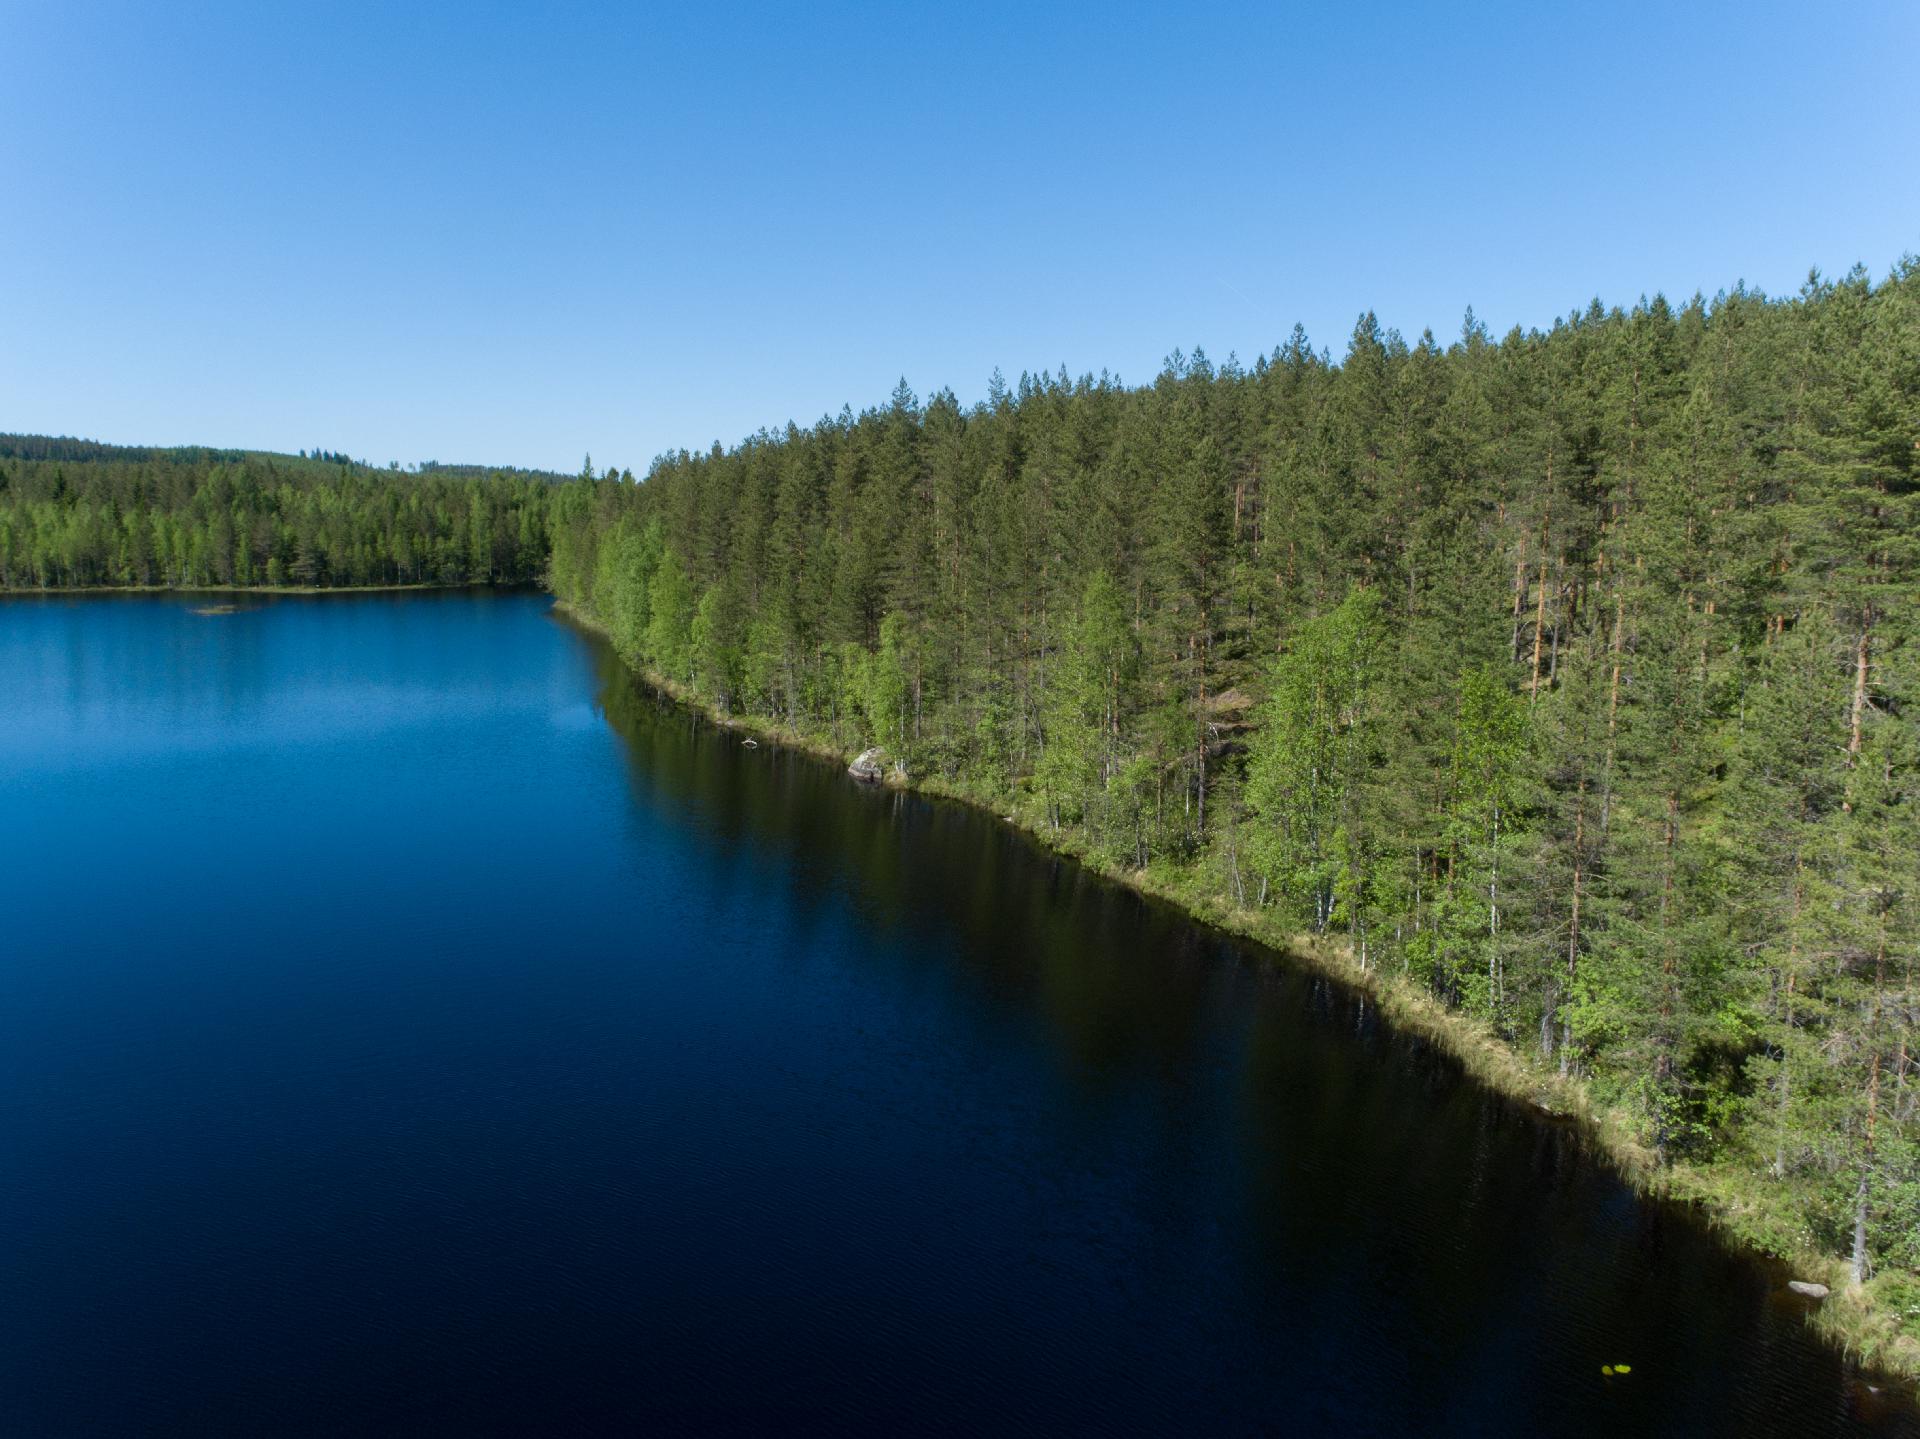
point(77, 513)
point(1569, 675)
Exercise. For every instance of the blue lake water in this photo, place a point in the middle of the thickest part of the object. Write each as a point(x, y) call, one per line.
point(409, 1025)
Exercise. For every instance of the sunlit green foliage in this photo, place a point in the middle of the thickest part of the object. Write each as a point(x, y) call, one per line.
point(75, 514)
point(1569, 674)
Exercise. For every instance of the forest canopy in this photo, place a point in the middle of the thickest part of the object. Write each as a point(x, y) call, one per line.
point(1568, 675)
point(75, 513)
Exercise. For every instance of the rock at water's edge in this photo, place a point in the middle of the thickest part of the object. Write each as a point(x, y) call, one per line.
point(866, 766)
point(1808, 1288)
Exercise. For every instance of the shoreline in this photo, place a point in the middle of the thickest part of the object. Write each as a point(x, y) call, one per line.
point(269, 590)
point(1864, 1331)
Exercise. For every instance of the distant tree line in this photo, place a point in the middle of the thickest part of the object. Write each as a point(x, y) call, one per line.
point(73, 513)
point(1568, 674)
point(64, 447)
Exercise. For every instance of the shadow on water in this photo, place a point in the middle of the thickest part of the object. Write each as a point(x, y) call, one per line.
point(1354, 1236)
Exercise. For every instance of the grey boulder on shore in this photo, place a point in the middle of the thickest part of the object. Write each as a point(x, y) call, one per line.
point(867, 766)
point(1808, 1288)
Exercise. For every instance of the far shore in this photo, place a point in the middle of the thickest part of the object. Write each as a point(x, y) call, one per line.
point(265, 590)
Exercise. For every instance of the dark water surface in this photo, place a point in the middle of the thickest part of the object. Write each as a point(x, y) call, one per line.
point(408, 1026)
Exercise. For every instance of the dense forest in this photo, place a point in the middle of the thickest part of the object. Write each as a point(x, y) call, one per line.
point(1569, 676)
point(77, 513)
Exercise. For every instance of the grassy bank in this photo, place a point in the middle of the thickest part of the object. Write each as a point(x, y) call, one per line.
point(1876, 1326)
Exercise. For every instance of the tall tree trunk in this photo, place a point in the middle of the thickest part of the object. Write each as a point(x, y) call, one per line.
point(1664, 1042)
point(1573, 929)
point(1519, 592)
point(1857, 1260)
point(1540, 606)
point(1786, 1090)
point(1860, 665)
point(1613, 715)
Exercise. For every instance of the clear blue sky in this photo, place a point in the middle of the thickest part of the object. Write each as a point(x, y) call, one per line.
point(514, 233)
